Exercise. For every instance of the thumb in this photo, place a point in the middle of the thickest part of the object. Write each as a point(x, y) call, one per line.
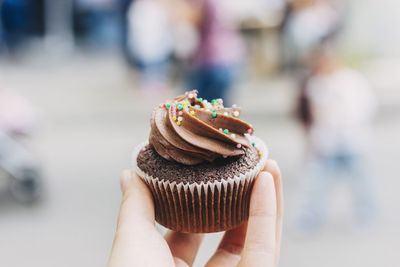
point(135, 223)
point(137, 203)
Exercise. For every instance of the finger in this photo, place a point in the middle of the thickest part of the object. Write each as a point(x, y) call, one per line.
point(184, 246)
point(137, 203)
point(272, 167)
point(228, 252)
point(260, 244)
point(136, 234)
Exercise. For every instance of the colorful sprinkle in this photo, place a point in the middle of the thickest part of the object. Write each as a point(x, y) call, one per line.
point(192, 112)
point(179, 106)
point(167, 105)
point(253, 144)
point(180, 119)
point(214, 101)
point(180, 113)
point(239, 145)
point(200, 99)
point(190, 95)
point(178, 123)
point(226, 131)
point(220, 129)
point(214, 114)
point(225, 113)
point(174, 118)
point(236, 113)
point(249, 130)
point(233, 135)
point(220, 101)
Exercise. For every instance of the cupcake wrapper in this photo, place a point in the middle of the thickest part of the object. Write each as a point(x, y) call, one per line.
point(205, 207)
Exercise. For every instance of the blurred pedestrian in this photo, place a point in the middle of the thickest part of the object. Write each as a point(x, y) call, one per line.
point(336, 109)
point(150, 42)
point(307, 24)
point(95, 22)
point(220, 50)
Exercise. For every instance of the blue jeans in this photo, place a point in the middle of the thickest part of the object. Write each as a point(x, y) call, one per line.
point(325, 171)
point(212, 81)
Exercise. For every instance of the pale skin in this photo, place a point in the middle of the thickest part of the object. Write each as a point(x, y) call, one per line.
point(256, 243)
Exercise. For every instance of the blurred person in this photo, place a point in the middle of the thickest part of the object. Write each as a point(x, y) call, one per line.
point(220, 49)
point(308, 23)
point(17, 120)
point(150, 43)
point(137, 241)
point(95, 22)
point(336, 107)
point(20, 20)
point(14, 15)
point(123, 8)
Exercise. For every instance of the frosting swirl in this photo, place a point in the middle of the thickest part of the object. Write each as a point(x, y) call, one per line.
point(190, 130)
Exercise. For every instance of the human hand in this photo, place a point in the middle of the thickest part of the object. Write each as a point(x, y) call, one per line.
point(255, 243)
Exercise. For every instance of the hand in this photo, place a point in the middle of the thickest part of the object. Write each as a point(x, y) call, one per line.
point(255, 243)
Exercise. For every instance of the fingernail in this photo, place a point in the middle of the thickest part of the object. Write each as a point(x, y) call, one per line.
point(125, 179)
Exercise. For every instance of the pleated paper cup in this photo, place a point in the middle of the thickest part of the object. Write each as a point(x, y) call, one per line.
point(202, 207)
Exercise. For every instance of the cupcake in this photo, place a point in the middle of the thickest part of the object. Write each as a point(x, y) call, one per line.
point(200, 163)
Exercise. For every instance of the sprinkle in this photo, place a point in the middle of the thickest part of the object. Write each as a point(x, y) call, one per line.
point(260, 153)
point(192, 112)
point(204, 101)
point(236, 113)
point(226, 131)
point(234, 106)
point(214, 114)
point(178, 123)
point(220, 101)
point(196, 106)
point(200, 99)
point(180, 113)
point(180, 119)
point(233, 135)
point(253, 144)
point(174, 118)
point(180, 106)
point(239, 145)
point(190, 95)
point(220, 129)
point(167, 105)
point(225, 113)
point(214, 102)
point(249, 130)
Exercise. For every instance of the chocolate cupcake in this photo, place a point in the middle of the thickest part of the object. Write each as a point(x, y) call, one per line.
point(200, 163)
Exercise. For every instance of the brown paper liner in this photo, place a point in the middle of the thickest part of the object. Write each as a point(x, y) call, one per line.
point(205, 207)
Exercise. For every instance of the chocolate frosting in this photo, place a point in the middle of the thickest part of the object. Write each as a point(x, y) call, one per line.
point(190, 130)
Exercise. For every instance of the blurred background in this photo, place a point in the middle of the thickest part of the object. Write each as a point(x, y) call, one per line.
point(318, 79)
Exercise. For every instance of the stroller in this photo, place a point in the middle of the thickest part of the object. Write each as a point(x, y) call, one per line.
point(19, 169)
